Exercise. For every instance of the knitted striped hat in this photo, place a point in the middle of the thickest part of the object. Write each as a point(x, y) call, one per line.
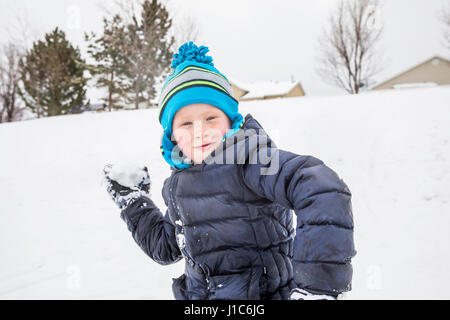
point(194, 79)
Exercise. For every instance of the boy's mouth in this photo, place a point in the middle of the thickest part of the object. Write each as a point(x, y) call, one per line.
point(204, 146)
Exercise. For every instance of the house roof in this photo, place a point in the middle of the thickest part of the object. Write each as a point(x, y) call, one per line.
point(262, 89)
point(408, 70)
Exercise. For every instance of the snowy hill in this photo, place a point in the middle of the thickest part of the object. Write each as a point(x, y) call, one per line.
point(61, 236)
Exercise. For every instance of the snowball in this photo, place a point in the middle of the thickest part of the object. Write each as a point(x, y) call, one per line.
point(127, 175)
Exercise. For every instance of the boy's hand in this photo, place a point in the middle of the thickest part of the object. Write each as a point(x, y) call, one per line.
point(300, 294)
point(126, 184)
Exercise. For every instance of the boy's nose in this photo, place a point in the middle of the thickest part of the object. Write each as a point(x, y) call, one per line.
point(198, 132)
point(198, 129)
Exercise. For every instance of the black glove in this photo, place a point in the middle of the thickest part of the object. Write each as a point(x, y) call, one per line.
point(125, 185)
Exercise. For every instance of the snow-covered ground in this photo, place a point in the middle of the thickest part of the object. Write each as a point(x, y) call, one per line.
point(61, 236)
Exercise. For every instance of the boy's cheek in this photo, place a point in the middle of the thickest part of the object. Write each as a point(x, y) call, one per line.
point(216, 133)
point(182, 136)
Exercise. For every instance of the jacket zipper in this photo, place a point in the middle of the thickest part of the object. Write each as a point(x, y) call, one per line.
point(195, 266)
point(179, 227)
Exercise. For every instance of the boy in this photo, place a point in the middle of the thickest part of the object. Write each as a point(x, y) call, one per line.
point(229, 200)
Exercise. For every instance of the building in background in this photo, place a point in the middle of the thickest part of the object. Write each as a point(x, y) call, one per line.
point(266, 90)
point(432, 72)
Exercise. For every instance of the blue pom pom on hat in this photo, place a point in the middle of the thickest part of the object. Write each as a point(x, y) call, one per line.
point(190, 52)
point(194, 79)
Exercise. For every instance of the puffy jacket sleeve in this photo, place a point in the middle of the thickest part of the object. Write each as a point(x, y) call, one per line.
point(152, 231)
point(323, 244)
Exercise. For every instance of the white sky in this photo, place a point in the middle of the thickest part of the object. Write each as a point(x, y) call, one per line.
point(255, 40)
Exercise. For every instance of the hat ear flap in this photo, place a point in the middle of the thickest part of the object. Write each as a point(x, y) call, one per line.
point(172, 154)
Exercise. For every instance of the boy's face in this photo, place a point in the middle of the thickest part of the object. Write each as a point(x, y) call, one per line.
point(198, 130)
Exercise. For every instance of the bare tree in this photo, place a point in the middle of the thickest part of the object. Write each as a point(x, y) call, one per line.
point(185, 29)
point(18, 36)
point(22, 30)
point(347, 49)
point(10, 55)
point(126, 9)
point(445, 19)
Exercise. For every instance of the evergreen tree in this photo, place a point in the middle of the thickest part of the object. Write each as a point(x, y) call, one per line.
point(52, 76)
point(147, 47)
point(107, 51)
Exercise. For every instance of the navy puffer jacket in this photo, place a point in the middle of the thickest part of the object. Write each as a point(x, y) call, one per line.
point(233, 223)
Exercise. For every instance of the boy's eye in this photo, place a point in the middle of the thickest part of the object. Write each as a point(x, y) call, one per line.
point(188, 123)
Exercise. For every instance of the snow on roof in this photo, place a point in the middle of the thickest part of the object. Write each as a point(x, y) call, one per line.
point(415, 85)
point(264, 88)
